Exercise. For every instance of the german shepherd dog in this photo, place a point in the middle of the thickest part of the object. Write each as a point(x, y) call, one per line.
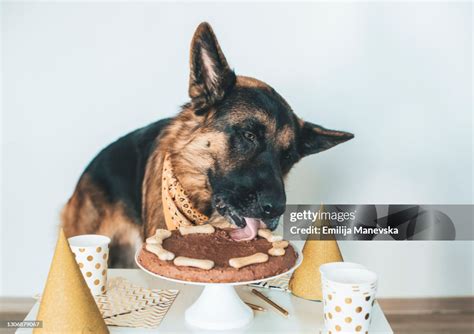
point(230, 146)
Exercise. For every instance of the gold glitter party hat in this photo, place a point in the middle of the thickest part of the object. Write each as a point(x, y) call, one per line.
point(67, 305)
point(306, 280)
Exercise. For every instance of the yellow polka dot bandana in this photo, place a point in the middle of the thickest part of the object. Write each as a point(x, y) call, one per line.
point(177, 208)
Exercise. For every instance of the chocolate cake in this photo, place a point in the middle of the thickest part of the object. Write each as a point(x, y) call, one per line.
point(218, 247)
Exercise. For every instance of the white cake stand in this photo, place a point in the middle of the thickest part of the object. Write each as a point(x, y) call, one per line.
point(219, 307)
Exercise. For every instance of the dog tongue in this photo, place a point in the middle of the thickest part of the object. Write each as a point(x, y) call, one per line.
point(248, 232)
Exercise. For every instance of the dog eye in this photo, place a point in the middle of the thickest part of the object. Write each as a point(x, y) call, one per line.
point(288, 155)
point(250, 136)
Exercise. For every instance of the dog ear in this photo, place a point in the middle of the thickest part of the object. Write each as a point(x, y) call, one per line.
point(315, 138)
point(211, 76)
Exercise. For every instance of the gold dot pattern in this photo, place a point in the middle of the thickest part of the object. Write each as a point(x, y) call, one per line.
point(343, 313)
point(90, 260)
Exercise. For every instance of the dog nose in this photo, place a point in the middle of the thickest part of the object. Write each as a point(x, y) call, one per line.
point(267, 208)
point(273, 209)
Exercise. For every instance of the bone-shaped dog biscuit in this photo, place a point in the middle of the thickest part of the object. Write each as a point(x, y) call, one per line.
point(196, 229)
point(276, 251)
point(160, 235)
point(240, 262)
point(278, 248)
point(159, 251)
point(267, 234)
point(182, 261)
point(222, 224)
point(280, 244)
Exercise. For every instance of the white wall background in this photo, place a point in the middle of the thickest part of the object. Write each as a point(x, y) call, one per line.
point(77, 76)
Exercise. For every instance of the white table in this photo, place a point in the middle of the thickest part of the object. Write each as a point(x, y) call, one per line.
point(305, 316)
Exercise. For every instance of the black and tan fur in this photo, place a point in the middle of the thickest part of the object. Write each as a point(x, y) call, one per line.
point(231, 147)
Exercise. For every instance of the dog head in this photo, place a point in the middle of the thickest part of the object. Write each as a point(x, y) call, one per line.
point(249, 137)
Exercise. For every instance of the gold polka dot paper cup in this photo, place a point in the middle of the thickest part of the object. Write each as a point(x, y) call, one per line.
point(91, 252)
point(348, 298)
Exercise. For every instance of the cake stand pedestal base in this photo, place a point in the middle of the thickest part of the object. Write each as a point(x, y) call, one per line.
point(219, 307)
